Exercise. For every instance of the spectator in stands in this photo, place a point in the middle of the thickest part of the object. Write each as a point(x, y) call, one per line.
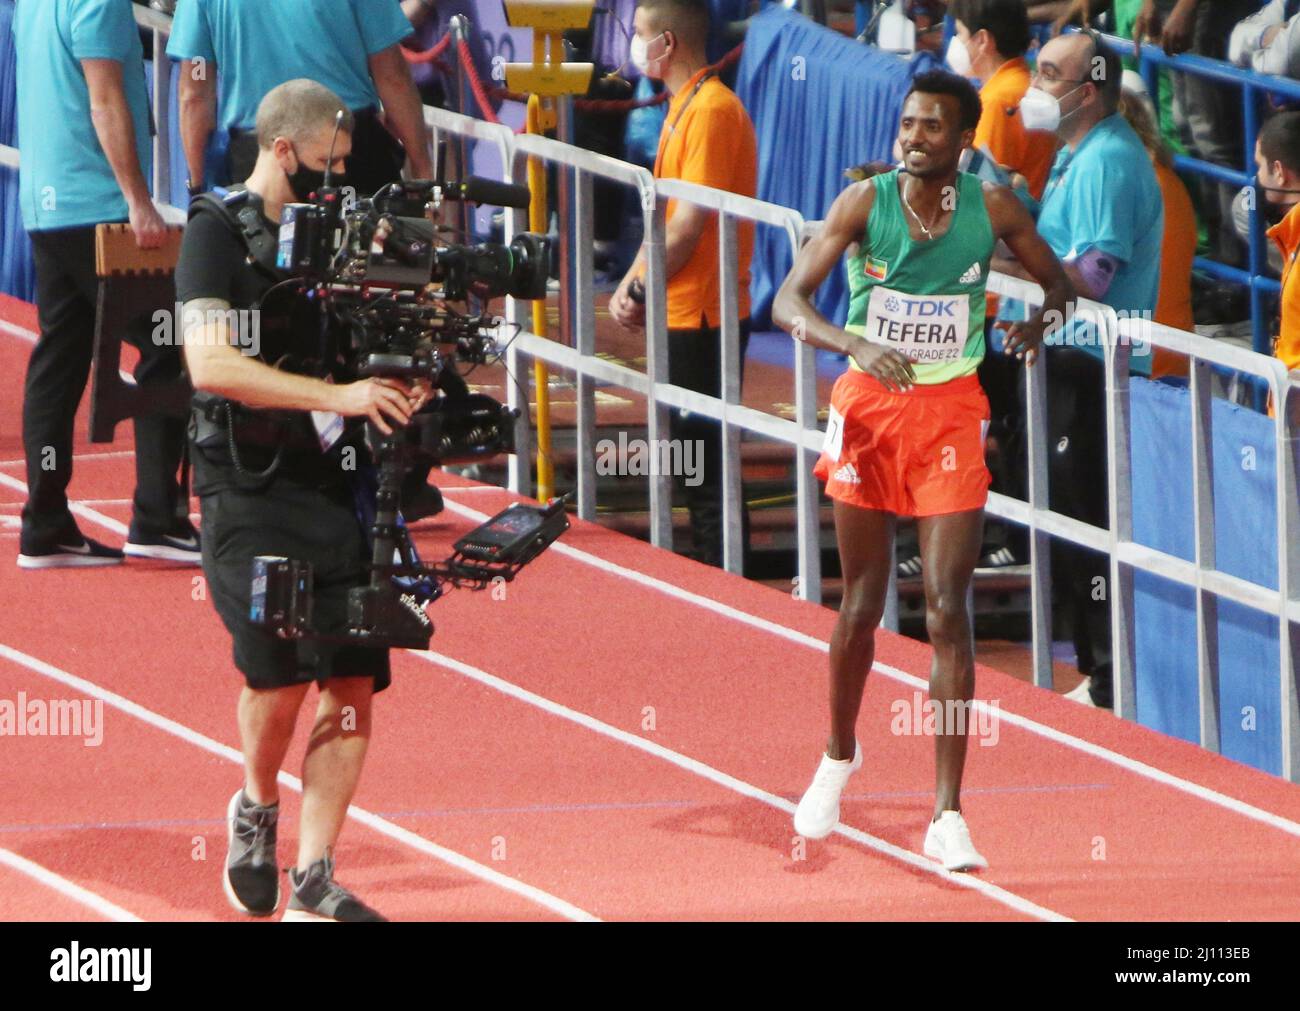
point(1102, 215)
point(708, 139)
point(251, 46)
point(84, 145)
point(1277, 159)
point(927, 16)
point(1208, 112)
point(1178, 249)
point(1269, 40)
point(990, 42)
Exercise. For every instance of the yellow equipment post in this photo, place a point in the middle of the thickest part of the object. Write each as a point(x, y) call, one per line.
point(537, 215)
point(545, 78)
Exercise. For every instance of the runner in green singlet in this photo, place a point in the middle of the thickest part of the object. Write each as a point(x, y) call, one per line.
point(907, 422)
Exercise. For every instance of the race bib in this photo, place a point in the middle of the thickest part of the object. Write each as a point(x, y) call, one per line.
point(924, 328)
point(834, 440)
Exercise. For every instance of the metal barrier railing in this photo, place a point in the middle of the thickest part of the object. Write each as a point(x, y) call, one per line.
point(1254, 87)
point(1127, 556)
point(660, 395)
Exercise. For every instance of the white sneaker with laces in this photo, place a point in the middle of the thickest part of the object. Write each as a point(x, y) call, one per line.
point(819, 810)
point(948, 841)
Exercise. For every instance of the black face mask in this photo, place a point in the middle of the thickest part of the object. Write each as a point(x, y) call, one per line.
point(305, 181)
point(1272, 210)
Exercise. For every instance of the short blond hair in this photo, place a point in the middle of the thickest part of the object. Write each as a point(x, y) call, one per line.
point(298, 110)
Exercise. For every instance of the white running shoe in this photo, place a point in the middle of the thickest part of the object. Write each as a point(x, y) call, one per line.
point(948, 840)
point(819, 810)
point(1081, 694)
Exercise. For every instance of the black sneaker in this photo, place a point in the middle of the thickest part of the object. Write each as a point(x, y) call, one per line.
point(1001, 560)
point(71, 552)
point(318, 898)
point(910, 568)
point(181, 545)
point(251, 879)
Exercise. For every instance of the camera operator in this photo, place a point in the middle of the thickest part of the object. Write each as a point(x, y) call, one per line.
point(305, 508)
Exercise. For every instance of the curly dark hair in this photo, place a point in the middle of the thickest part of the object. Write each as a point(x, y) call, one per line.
point(940, 82)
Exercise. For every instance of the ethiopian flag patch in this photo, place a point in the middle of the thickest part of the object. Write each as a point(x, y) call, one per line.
point(875, 269)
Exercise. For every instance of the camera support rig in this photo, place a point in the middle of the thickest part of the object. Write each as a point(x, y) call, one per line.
point(381, 268)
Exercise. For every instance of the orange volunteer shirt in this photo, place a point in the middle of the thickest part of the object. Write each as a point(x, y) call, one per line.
point(709, 140)
point(1002, 132)
point(1286, 233)
point(1177, 251)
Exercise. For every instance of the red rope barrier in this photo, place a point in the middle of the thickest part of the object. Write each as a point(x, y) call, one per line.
point(430, 54)
point(476, 85)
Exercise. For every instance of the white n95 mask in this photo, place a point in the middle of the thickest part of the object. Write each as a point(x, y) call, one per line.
point(637, 53)
point(958, 57)
point(1040, 111)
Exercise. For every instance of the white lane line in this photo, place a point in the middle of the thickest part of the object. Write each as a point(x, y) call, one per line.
point(114, 454)
point(21, 332)
point(71, 889)
point(1204, 793)
point(991, 891)
point(374, 821)
point(77, 508)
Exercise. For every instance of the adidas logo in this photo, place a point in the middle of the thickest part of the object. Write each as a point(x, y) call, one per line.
point(972, 274)
point(847, 475)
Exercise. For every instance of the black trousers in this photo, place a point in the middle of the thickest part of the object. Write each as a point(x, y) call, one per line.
point(695, 363)
point(1076, 425)
point(66, 293)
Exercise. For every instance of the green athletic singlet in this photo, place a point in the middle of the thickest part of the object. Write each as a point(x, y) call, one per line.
point(924, 299)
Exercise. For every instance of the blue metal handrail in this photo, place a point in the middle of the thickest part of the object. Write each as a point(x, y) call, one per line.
point(1253, 85)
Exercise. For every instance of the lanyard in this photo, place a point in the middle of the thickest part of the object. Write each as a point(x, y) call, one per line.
point(671, 128)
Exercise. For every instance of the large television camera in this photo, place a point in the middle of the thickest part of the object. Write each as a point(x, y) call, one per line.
point(383, 269)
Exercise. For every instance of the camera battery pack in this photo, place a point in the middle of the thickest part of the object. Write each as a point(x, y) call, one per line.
point(281, 595)
point(514, 535)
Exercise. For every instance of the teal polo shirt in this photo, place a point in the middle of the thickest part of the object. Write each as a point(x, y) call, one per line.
point(1104, 195)
point(257, 45)
point(64, 179)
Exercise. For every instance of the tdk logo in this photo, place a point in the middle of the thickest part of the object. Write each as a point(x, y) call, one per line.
point(922, 307)
point(75, 964)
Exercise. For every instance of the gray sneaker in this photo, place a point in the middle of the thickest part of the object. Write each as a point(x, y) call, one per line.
point(317, 897)
point(251, 879)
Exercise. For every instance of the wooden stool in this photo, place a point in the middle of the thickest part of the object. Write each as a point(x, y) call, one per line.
point(132, 281)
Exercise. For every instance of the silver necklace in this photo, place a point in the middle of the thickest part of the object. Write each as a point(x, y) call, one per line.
point(928, 233)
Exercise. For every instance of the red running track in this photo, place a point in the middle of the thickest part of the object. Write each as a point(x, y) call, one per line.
point(623, 736)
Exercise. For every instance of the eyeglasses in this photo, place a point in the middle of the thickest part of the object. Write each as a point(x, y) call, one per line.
point(1051, 76)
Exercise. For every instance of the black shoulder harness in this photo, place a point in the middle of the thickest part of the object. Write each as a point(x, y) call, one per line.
point(241, 210)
